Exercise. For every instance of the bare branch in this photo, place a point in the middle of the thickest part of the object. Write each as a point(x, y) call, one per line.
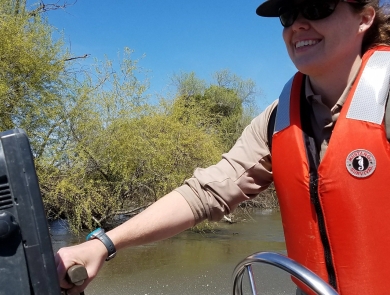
point(77, 57)
point(48, 7)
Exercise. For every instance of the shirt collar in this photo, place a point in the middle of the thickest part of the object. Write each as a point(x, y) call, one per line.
point(310, 95)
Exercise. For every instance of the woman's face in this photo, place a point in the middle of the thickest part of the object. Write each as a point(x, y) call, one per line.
point(316, 47)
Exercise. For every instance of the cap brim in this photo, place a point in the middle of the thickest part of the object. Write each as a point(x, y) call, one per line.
point(270, 8)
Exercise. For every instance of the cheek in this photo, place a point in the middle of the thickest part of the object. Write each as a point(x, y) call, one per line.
point(286, 38)
point(344, 37)
point(285, 35)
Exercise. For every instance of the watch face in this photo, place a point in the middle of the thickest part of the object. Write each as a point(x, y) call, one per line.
point(94, 233)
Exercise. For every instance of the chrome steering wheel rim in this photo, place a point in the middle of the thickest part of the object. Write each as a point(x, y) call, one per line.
point(301, 273)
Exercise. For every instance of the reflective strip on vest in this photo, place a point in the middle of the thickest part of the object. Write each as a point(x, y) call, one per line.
point(372, 90)
point(283, 114)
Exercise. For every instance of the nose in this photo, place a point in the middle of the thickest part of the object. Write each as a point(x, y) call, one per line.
point(300, 23)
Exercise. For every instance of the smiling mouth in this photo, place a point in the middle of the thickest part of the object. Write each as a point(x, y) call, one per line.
point(304, 43)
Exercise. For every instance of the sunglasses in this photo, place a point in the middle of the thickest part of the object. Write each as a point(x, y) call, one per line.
point(309, 9)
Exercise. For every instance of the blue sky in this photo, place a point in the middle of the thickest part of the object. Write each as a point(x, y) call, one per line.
point(201, 36)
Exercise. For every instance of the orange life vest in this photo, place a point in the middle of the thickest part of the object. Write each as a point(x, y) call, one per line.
point(336, 213)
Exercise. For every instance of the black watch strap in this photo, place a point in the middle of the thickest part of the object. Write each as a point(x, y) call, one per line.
point(101, 235)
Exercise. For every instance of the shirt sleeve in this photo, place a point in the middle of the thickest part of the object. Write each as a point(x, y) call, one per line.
point(242, 174)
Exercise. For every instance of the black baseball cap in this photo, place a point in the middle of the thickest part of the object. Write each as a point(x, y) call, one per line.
point(270, 8)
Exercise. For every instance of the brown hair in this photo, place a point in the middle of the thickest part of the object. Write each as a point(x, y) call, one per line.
point(379, 32)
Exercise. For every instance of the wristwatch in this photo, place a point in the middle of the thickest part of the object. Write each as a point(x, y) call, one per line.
point(101, 235)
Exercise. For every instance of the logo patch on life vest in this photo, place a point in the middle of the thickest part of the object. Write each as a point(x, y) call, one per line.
point(361, 163)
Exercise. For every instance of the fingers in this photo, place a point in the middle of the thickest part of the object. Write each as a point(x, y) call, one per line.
point(61, 272)
point(89, 254)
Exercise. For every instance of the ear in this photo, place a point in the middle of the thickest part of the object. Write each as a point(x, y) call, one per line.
point(367, 18)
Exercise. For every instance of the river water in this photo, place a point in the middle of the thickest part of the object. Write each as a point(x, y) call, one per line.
point(193, 263)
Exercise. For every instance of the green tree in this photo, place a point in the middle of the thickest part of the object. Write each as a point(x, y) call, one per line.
point(41, 93)
point(34, 82)
point(223, 108)
point(79, 182)
point(122, 152)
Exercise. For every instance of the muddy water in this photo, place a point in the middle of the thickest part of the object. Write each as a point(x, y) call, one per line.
point(192, 263)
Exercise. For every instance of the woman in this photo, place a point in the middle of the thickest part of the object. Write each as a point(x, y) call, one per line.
point(336, 167)
point(328, 214)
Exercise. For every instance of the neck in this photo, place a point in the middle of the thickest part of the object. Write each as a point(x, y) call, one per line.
point(332, 84)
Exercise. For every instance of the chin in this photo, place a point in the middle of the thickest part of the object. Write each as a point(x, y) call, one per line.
point(310, 68)
point(309, 64)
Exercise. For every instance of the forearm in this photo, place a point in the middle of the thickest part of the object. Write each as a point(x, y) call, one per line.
point(167, 217)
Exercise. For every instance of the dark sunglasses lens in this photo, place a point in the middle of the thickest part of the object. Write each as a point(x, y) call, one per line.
point(315, 10)
point(287, 16)
point(311, 10)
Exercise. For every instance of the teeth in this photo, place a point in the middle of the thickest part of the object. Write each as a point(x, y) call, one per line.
point(305, 43)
